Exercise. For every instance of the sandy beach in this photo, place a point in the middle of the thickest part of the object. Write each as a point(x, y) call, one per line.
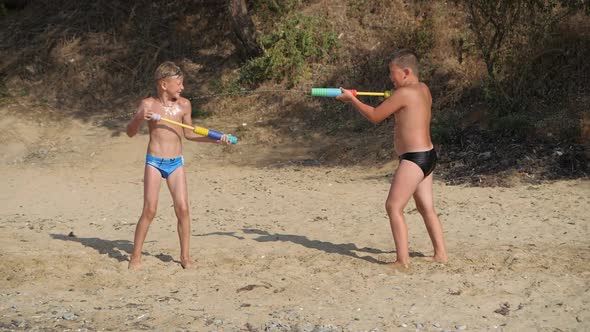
point(279, 247)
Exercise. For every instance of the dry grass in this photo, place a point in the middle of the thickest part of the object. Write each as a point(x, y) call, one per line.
point(95, 59)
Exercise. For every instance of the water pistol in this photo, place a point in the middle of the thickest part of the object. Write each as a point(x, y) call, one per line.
point(209, 133)
point(335, 92)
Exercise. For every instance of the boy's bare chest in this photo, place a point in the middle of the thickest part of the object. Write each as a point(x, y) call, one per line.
point(174, 113)
point(171, 112)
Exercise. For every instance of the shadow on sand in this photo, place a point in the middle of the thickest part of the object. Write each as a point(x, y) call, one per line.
point(346, 249)
point(112, 248)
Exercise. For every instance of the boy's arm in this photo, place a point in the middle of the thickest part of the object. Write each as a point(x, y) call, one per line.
point(135, 123)
point(376, 114)
point(188, 134)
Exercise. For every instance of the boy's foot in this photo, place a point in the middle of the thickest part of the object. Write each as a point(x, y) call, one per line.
point(134, 264)
point(440, 258)
point(399, 265)
point(187, 264)
point(436, 259)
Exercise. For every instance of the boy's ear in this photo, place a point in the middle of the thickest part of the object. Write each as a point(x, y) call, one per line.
point(162, 84)
point(408, 71)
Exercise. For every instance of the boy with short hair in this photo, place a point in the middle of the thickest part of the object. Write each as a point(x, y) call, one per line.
point(411, 105)
point(164, 157)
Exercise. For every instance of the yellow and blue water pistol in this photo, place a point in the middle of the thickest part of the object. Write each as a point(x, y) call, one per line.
point(209, 133)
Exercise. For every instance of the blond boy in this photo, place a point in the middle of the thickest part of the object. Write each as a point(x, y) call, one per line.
point(164, 157)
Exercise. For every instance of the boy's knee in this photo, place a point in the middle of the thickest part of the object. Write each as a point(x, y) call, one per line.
point(149, 212)
point(181, 210)
point(392, 208)
point(425, 210)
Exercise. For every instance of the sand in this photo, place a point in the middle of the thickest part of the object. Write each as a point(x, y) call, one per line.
point(279, 247)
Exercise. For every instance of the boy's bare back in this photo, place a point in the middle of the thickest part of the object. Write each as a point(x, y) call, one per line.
point(412, 121)
point(411, 104)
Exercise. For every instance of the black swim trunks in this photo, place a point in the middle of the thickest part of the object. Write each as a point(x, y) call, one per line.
point(426, 160)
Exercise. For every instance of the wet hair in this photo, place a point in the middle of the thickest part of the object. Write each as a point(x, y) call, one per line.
point(167, 69)
point(405, 58)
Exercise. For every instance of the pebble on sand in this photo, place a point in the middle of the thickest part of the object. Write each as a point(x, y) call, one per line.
point(69, 316)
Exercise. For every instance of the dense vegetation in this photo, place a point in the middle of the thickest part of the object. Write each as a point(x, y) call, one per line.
point(510, 79)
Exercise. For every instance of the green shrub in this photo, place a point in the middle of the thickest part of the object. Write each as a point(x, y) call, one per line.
point(288, 50)
point(424, 37)
point(220, 87)
point(270, 8)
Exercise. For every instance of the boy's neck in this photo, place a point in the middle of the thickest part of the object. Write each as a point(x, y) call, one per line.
point(411, 81)
point(165, 100)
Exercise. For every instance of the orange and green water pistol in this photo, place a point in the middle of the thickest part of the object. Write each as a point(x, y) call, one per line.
point(335, 92)
point(209, 133)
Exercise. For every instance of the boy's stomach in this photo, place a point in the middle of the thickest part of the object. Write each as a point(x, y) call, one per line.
point(165, 146)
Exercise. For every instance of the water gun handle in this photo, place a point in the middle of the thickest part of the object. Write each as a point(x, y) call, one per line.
point(209, 133)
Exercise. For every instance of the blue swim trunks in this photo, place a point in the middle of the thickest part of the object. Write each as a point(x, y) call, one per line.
point(165, 165)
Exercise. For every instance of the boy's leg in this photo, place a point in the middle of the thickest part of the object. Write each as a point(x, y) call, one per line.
point(151, 189)
point(178, 189)
point(407, 177)
point(425, 205)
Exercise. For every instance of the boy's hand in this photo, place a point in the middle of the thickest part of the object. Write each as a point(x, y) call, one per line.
point(146, 114)
point(152, 116)
point(346, 96)
point(224, 140)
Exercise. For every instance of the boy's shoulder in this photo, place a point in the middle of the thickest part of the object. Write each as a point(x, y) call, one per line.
point(183, 101)
point(412, 90)
point(148, 101)
point(414, 86)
